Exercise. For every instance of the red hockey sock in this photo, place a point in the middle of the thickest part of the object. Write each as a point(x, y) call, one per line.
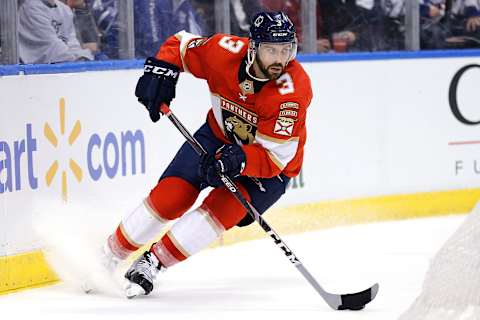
point(223, 205)
point(172, 197)
point(120, 245)
point(195, 230)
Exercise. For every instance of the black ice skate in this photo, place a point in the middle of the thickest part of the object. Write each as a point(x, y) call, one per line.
point(141, 275)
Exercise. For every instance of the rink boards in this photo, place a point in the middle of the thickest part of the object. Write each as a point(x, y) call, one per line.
point(387, 139)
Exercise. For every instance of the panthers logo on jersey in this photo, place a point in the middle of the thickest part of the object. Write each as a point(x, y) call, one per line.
point(239, 124)
point(240, 130)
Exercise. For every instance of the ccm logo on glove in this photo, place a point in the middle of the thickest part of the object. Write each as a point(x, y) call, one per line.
point(160, 71)
point(157, 85)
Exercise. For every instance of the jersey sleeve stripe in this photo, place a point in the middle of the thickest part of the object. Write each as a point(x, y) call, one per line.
point(185, 38)
point(276, 140)
point(280, 153)
point(274, 159)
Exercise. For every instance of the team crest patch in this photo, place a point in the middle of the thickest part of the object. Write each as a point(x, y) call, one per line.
point(289, 105)
point(258, 21)
point(284, 126)
point(197, 43)
point(289, 110)
point(247, 87)
point(288, 113)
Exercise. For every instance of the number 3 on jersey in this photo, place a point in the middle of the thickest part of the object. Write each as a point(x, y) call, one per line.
point(285, 84)
point(232, 46)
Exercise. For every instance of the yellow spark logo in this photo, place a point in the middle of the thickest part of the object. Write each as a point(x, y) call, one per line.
point(52, 138)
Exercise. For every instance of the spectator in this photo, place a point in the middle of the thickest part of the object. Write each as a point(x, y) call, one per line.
point(464, 24)
point(432, 32)
point(293, 9)
point(356, 25)
point(105, 14)
point(154, 21)
point(46, 33)
point(87, 30)
point(241, 12)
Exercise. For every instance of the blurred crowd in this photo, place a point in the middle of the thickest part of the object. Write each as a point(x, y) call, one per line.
point(51, 31)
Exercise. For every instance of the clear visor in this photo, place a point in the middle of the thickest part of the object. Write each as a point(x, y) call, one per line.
point(283, 52)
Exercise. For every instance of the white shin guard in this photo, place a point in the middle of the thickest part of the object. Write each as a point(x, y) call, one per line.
point(190, 234)
point(141, 225)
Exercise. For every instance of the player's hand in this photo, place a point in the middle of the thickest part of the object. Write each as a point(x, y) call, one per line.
point(229, 160)
point(472, 24)
point(157, 85)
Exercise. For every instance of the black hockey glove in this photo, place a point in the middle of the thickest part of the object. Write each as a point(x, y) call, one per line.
point(229, 160)
point(157, 85)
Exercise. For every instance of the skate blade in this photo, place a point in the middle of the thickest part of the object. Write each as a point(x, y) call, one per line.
point(133, 290)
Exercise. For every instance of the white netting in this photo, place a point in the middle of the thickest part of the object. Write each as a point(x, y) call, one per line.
point(451, 290)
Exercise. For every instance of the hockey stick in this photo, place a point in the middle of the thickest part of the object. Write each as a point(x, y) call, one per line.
point(353, 301)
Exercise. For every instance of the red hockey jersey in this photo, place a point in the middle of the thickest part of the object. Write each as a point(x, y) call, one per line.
point(267, 119)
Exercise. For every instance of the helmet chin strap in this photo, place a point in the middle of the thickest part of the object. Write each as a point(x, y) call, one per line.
point(250, 59)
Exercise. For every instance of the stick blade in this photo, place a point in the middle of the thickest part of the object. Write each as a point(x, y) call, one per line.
point(357, 301)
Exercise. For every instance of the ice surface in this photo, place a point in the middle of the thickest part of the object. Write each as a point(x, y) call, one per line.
point(254, 280)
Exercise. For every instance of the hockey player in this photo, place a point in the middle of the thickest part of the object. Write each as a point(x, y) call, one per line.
point(254, 133)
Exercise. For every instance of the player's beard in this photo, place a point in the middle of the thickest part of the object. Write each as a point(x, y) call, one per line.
point(272, 71)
